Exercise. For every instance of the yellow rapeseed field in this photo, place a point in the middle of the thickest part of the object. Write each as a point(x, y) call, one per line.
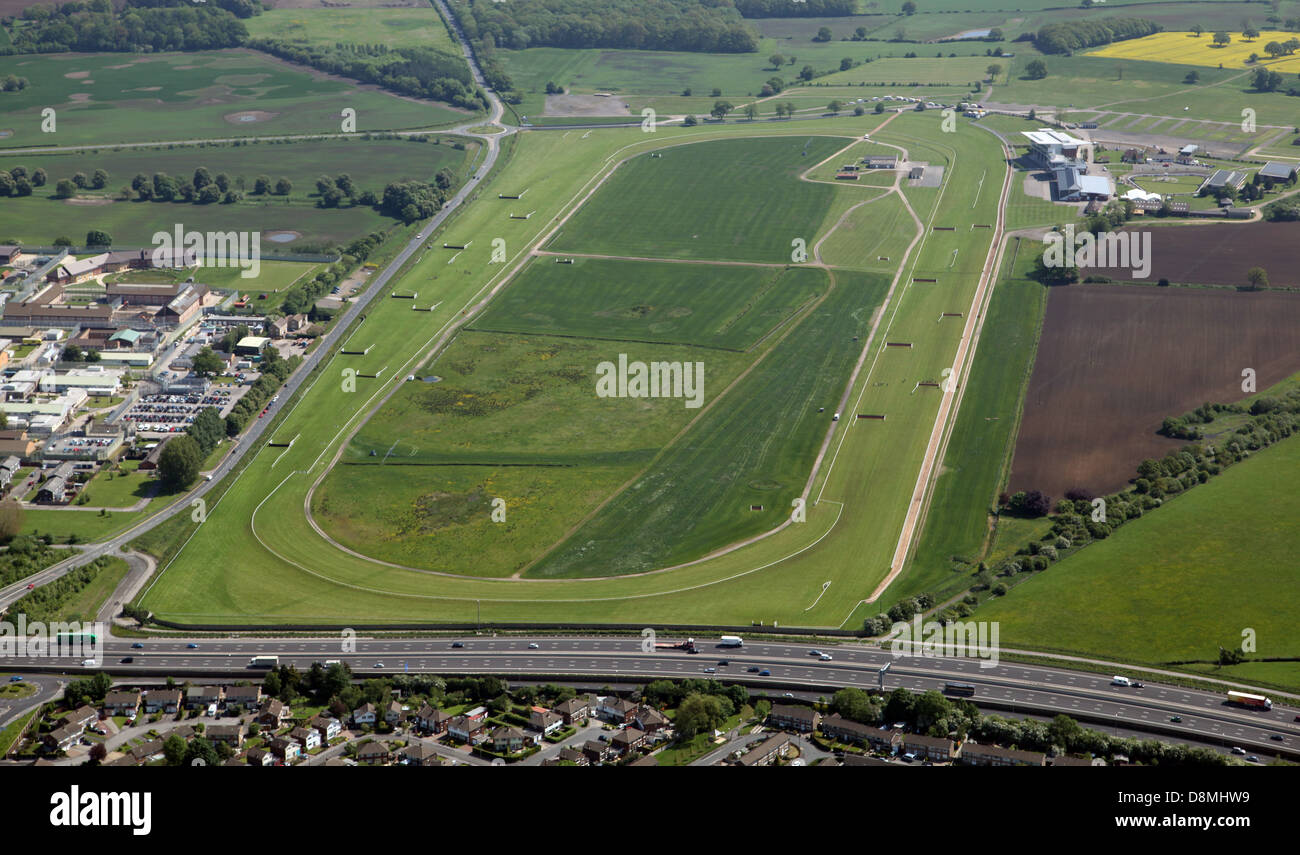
point(1190, 49)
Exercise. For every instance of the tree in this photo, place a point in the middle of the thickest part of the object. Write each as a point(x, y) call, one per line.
point(95, 237)
point(261, 185)
point(207, 363)
point(909, 8)
point(993, 71)
point(1274, 49)
point(690, 122)
point(1258, 278)
point(751, 110)
point(65, 189)
point(207, 429)
point(81, 180)
point(1193, 77)
point(174, 749)
point(1221, 39)
point(700, 713)
point(11, 519)
point(98, 179)
point(1266, 80)
point(1198, 30)
point(1035, 69)
point(178, 465)
point(880, 107)
point(282, 187)
point(721, 109)
point(1250, 32)
point(846, 63)
point(200, 753)
point(72, 353)
point(835, 107)
point(38, 178)
point(807, 73)
point(823, 34)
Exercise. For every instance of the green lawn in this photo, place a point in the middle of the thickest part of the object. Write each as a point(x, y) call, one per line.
point(722, 307)
point(707, 201)
point(1178, 583)
point(184, 96)
point(394, 27)
point(120, 489)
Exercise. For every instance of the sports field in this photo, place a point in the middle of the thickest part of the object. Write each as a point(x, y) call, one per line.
point(706, 305)
point(708, 201)
point(284, 567)
point(113, 97)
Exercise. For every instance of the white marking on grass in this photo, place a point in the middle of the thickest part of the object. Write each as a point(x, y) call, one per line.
point(825, 585)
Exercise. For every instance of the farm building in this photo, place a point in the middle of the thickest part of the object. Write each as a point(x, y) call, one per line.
point(1277, 171)
point(1222, 179)
point(887, 161)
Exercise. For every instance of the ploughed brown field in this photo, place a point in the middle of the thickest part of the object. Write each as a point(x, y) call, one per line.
point(1115, 360)
point(1219, 254)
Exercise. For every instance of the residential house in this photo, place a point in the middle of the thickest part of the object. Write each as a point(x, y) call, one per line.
point(768, 752)
point(122, 702)
point(328, 728)
point(82, 717)
point(594, 751)
point(259, 757)
point(507, 740)
point(231, 734)
point(245, 697)
point(373, 753)
point(162, 700)
point(854, 733)
point(286, 749)
point(432, 720)
point(307, 737)
point(63, 738)
point(544, 721)
point(203, 696)
point(615, 710)
point(393, 713)
point(650, 719)
point(148, 752)
point(365, 714)
point(462, 728)
point(420, 753)
point(995, 755)
point(574, 709)
point(572, 755)
point(627, 739)
point(273, 713)
point(936, 749)
point(797, 718)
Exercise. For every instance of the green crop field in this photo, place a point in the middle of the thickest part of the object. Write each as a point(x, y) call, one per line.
point(397, 28)
point(962, 70)
point(700, 304)
point(707, 202)
point(1179, 582)
point(114, 97)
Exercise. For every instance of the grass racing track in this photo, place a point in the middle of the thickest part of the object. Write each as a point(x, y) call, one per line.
point(257, 558)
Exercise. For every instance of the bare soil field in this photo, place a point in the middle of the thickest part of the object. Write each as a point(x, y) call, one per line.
point(1220, 254)
point(1115, 360)
point(586, 105)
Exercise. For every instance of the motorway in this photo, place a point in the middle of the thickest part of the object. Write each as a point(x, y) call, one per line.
point(1013, 687)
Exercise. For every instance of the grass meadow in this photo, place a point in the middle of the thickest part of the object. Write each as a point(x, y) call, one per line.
point(115, 97)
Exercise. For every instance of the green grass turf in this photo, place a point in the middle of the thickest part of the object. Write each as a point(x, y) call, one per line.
point(962, 70)
point(83, 605)
point(120, 489)
point(1178, 583)
point(753, 448)
point(979, 450)
point(257, 560)
point(272, 277)
point(710, 201)
point(396, 28)
point(85, 526)
point(185, 96)
point(700, 304)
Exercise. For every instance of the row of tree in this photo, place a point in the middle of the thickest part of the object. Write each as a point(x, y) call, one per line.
point(92, 27)
point(1070, 36)
point(682, 25)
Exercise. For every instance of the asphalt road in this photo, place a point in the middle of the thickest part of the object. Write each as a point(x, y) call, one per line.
point(1016, 688)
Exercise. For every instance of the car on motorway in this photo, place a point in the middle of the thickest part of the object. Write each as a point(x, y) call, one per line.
point(533, 645)
point(814, 653)
point(826, 657)
point(1236, 749)
point(137, 646)
point(765, 673)
point(31, 586)
point(753, 669)
point(1176, 719)
point(192, 646)
point(378, 665)
point(127, 660)
point(710, 670)
point(788, 695)
point(15, 679)
point(1139, 686)
point(1277, 737)
point(723, 663)
point(457, 645)
point(1251, 758)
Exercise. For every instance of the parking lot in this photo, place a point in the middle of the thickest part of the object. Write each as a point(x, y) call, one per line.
point(172, 413)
